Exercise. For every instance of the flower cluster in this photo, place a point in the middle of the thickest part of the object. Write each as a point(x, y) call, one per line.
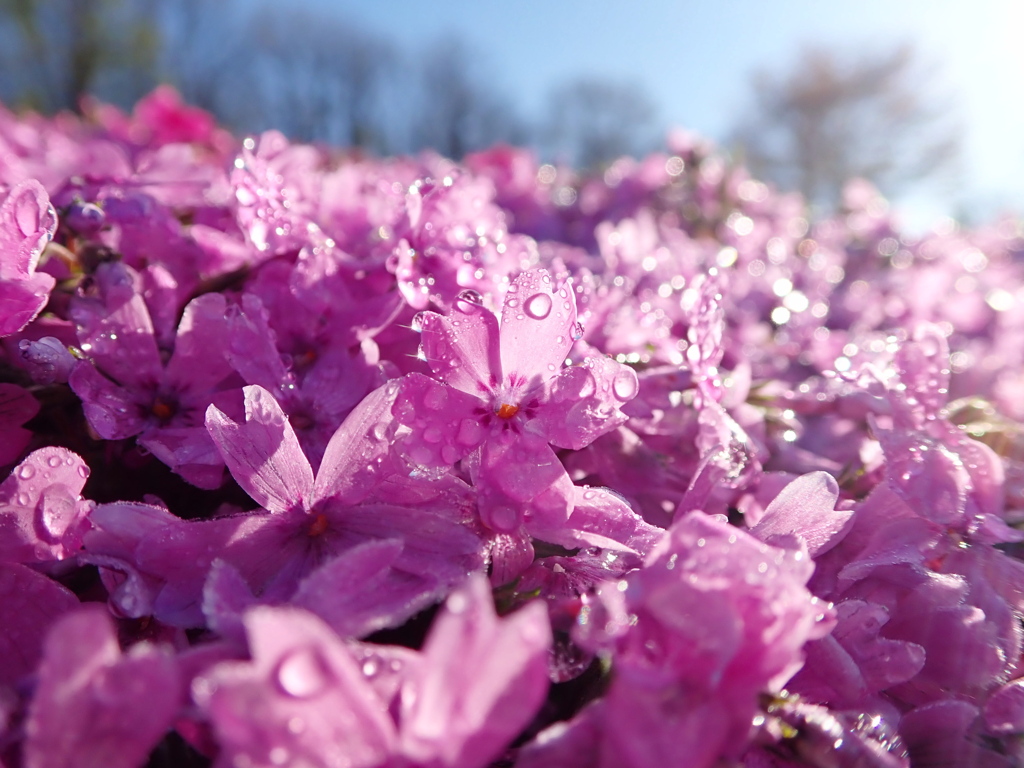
point(315, 459)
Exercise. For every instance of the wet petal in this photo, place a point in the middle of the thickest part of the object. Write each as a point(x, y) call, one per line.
point(536, 327)
point(481, 681)
point(462, 349)
point(94, 706)
point(263, 453)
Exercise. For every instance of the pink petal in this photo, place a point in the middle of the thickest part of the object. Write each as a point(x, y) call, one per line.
point(354, 454)
point(462, 349)
point(386, 597)
point(110, 408)
point(1004, 712)
point(198, 362)
point(537, 323)
point(29, 605)
point(251, 349)
point(189, 451)
point(27, 223)
point(442, 419)
point(521, 466)
point(602, 518)
point(44, 514)
point(115, 329)
point(806, 508)
point(21, 300)
point(94, 707)
point(481, 682)
point(301, 700)
point(263, 453)
point(583, 401)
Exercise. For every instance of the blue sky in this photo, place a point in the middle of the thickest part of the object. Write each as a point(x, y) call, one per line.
point(695, 59)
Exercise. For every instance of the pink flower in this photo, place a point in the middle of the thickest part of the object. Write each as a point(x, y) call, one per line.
point(505, 396)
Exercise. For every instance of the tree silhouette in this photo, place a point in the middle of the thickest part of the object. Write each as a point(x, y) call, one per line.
point(459, 112)
point(592, 121)
point(53, 52)
point(832, 118)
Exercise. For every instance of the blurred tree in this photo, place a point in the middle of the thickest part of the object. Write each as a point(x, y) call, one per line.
point(53, 52)
point(459, 112)
point(319, 78)
point(591, 122)
point(831, 118)
point(203, 51)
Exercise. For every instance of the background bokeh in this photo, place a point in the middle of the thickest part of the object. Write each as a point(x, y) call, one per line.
point(935, 118)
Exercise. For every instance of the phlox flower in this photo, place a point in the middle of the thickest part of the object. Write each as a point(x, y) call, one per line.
point(307, 698)
point(504, 395)
point(312, 542)
point(128, 390)
point(712, 620)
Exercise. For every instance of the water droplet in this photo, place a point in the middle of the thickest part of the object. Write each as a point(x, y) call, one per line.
point(371, 666)
point(24, 499)
point(538, 306)
point(433, 435)
point(26, 471)
point(418, 322)
point(26, 213)
point(470, 432)
point(503, 518)
point(435, 398)
point(577, 331)
point(457, 603)
point(303, 673)
point(625, 385)
point(54, 461)
point(469, 301)
point(55, 516)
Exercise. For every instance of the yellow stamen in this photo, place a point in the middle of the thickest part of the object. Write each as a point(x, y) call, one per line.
point(507, 411)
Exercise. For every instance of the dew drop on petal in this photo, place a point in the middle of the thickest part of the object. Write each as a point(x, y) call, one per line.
point(625, 385)
point(538, 306)
point(54, 461)
point(26, 214)
point(302, 673)
point(469, 301)
point(418, 322)
point(435, 399)
point(503, 518)
point(26, 471)
point(457, 603)
point(577, 331)
point(470, 432)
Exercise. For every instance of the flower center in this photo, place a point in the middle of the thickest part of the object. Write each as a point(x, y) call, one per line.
point(162, 410)
point(506, 411)
point(318, 526)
